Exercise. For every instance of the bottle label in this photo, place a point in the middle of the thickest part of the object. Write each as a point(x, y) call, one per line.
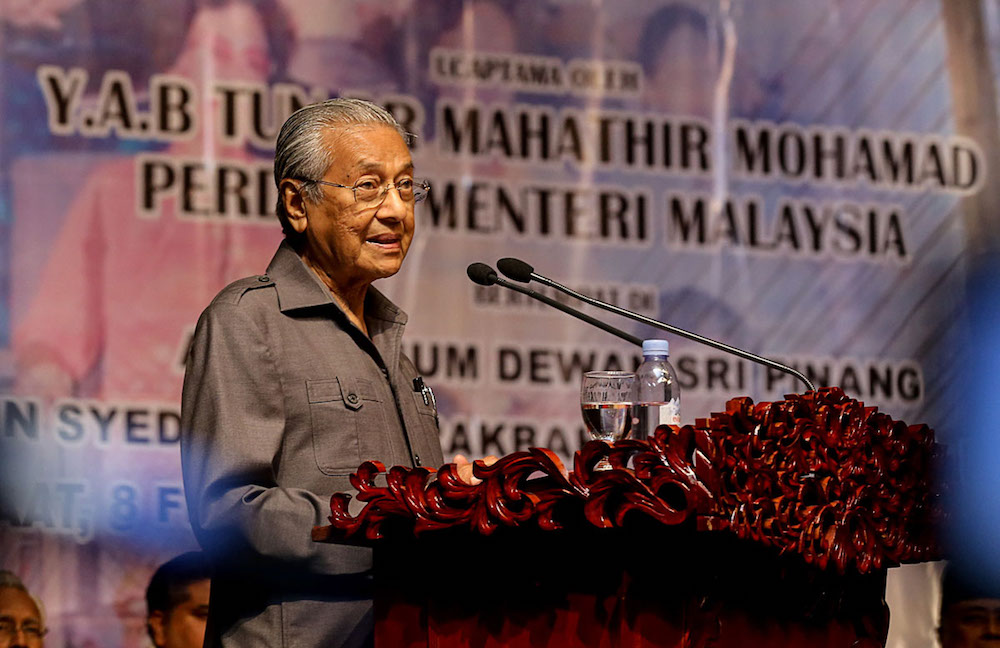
point(670, 413)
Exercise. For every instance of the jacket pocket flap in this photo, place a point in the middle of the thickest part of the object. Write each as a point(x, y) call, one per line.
point(322, 391)
point(352, 391)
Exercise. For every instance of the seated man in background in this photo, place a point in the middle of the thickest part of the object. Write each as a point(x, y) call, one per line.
point(177, 602)
point(22, 623)
point(970, 613)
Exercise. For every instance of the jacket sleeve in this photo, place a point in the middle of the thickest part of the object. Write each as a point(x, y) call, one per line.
point(231, 434)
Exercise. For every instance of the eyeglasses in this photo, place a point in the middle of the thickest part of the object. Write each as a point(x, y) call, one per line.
point(368, 194)
point(30, 629)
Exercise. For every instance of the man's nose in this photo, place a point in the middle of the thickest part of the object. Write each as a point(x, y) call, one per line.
point(393, 207)
point(19, 639)
point(993, 627)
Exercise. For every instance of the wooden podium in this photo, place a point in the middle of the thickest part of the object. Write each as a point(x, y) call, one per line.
point(765, 525)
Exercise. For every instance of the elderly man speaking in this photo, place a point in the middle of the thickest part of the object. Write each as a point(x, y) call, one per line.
point(296, 376)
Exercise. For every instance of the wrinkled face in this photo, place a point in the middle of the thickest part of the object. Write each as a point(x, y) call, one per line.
point(971, 624)
point(351, 243)
point(184, 625)
point(20, 620)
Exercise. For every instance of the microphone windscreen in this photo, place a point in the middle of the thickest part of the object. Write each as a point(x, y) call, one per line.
point(482, 274)
point(516, 269)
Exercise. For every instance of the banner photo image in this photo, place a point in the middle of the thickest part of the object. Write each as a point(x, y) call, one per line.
point(811, 182)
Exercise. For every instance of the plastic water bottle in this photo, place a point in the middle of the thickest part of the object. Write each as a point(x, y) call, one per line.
point(657, 394)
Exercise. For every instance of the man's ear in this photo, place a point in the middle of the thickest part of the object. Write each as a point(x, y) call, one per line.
point(156, 623)
point(295, 204)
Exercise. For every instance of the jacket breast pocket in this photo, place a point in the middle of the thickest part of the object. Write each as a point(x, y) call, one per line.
point(340, 409)
point(426, 407)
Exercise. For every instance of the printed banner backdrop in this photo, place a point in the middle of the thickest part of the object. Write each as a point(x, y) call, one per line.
point(791, 178)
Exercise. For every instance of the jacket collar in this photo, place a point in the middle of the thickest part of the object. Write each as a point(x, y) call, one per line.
point(298, 287)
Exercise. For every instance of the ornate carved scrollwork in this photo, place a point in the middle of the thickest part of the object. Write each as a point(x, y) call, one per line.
point(818, 474)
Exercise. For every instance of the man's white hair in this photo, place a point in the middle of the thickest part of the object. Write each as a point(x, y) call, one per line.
point(10, 580)
point(300, 151)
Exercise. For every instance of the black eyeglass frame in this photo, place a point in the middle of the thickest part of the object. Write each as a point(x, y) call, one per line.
point(29, 629)
point(420, 190)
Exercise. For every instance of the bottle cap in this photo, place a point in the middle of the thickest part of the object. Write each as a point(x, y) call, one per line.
point(655, 347)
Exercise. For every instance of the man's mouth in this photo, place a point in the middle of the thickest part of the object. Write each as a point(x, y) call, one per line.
point(386, 241)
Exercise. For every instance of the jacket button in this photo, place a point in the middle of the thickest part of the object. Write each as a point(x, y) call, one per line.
point(416, 459)
point(352, 399)
point(263, 278)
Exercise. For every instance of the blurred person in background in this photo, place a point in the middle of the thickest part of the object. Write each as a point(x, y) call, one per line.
point(94, 327)
point(177, 602)
point(681, 49)
point(970, 613)
point(22, 621)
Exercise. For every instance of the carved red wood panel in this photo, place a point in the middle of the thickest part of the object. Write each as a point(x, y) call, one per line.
point(819, 475)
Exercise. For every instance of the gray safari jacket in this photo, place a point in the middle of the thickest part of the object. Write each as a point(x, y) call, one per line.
point(283, 399)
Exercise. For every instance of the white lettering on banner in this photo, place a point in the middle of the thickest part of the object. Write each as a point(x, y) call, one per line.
point(128, 507)
point(116, 108)
point(20, 418)
point(618, 140)
point(254, 112)
point(105, 423)
point(537, 74)
point(605, 215)
point(446, 362)
point(251, 112)
point(479, 437)
point(710, 372)
point(841, 230)
point(62, 90)
point(224, 190)
point(605, 78)
point(123, 505)
point(841, 157)
point(247, 112)
point(75, 509)
point(170, 104)
point(877, 381)
point(705, 372)
point(75, 421)
point(641, 298)
point(63, 507)
point(169, 506)
point(605, 139)
point(519, 364)
point(516, 71)
point(171, 114)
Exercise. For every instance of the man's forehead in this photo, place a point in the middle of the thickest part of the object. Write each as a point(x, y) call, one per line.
point(17, 604)
point(983, 604)
point(366, 165)
point(198, 591)
point(365, 144)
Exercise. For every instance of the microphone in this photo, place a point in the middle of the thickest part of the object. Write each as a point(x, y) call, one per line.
point(484, 275)
point(520, 271)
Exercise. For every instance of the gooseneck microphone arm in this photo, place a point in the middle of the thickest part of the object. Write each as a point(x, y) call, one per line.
point(484, 275)
point(520, 271)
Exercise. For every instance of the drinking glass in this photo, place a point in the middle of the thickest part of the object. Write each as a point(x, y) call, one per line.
point(606, 401)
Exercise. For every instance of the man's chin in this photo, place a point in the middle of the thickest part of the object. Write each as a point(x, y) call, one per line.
point(384, 271)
